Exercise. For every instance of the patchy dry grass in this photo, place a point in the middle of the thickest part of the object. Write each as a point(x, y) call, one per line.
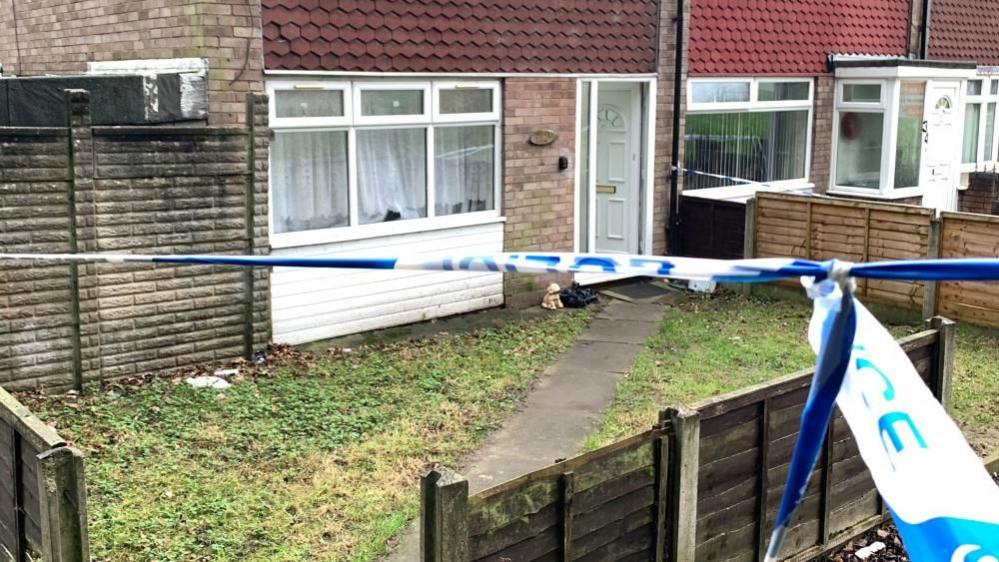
point(319, 460)
point(707, 346)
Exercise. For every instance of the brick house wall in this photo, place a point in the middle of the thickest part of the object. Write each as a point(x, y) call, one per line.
point(982, 194)
point(537, 196)
point(60, 37)
point(664, 119)
point(130, 190)
point(822, 123)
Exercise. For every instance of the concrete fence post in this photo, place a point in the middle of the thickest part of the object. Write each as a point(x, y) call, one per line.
point(62, 497)
point(249, 207)
point(684, 463)
point(943, 370)
point(80, 151)
point(443, 516)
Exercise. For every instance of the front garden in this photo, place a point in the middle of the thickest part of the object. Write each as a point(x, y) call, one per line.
point(316, 456)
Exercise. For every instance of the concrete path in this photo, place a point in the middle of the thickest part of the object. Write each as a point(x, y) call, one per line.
point(564, 406)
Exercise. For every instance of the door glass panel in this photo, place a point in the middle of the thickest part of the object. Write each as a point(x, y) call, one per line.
point(909, 145)
point(972, 116)
point(583, 188)
point(858, 149)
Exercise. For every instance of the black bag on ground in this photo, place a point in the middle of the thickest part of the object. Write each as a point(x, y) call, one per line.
point(577, 297)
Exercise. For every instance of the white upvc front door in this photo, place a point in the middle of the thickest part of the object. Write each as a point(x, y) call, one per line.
point(942, 147)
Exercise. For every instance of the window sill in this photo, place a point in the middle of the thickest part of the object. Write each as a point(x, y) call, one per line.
point(382, 230)
point(877, 194)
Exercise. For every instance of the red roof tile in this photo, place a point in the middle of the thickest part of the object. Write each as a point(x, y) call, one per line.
point(461, 35)
point(965, 30)
point(792, 37)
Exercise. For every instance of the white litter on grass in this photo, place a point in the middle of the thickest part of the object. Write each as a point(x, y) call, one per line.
point(208, 381)
point(701, 286)
point(227, 372)
point(867, 551)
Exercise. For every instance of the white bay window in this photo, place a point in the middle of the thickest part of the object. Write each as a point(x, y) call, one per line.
point(350, 157)
point(756, 130)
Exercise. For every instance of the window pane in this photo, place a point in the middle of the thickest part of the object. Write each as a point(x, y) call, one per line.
point(909, 145)
point(858, 150)
point(713, 92)
point(309, 180)
point(391, 174)
point(990, 129)
point(974, 87)
point(972, 115)
point(995, 86)
point(308, 103)
point(783, 91)
point(392, 102)
point(864, 93)
point(467, 101)
point(464, 169)
point(760, 146)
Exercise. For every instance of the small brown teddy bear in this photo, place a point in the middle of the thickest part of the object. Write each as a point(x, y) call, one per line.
point(552, 300)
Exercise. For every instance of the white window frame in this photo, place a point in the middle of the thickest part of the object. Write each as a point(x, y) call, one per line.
point(439, 85)
point(982, 161)
point(754, 105)
point(289, 85)
point(361, 87)
point(353, 122)
point(888, 108)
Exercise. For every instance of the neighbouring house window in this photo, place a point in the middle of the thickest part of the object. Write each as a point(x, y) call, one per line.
point(978, 147)
point(750, 129)
point(353, 154)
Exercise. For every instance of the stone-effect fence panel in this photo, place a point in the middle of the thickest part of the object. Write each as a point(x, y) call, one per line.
point(141, 190)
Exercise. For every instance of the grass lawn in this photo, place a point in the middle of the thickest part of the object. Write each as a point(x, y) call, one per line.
point(712, 345)
point(316, 460)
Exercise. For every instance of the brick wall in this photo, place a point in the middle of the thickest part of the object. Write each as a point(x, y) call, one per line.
point(664, 119)
point(537, 197)
point(822, 123)
point(136, 190)
point(982, 194)
point(60, 37)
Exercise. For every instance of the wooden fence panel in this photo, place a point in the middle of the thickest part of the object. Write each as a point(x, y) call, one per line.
point(704, 485)
point(823, 228)
point(605, 504)
point(965, 235)
point(40, 517)
point(747, 439)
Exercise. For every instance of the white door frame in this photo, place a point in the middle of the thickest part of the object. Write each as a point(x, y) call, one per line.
point(647, 111)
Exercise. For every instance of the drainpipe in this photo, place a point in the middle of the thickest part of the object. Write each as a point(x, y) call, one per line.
point(924, 30)
point(672, 233)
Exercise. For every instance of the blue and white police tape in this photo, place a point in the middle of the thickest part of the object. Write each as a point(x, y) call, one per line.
point(720, 176)
point(722, 271)
point(944, 503)
point(903, 434)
